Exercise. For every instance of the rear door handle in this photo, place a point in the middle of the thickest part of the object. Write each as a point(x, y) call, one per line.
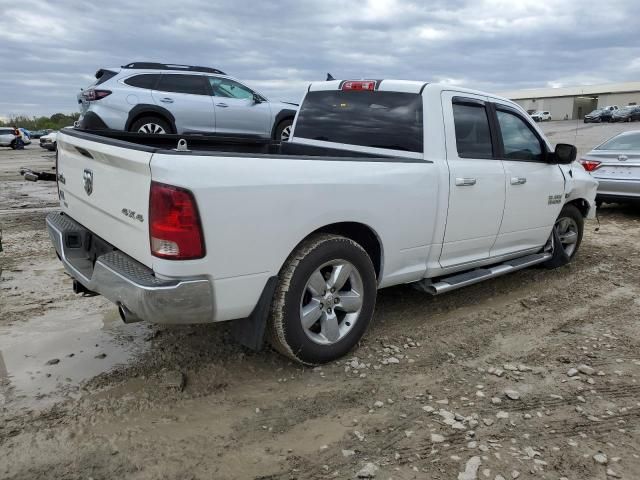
point(166, 100)
point(222, 105)
point(518, 180)
point(465, 182)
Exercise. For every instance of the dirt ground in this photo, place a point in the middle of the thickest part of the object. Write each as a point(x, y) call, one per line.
point(477, 383)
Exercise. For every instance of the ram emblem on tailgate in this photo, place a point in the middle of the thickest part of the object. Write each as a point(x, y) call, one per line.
point(87, 176)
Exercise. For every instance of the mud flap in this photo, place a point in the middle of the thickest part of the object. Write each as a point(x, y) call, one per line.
point(559, 256)
point(249, 331)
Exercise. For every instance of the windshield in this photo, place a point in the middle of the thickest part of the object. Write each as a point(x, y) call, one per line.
point(391, 120)
point(594, 112)
point(624, 141)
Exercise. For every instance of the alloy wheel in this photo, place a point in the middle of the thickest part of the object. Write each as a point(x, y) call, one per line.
point(331, 302)
point(286, 133)
point(567, 230)
point(153, 128)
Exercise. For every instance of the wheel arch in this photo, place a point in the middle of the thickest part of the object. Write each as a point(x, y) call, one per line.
point(285, 114)
point(362, 234)
point(144, 109)
point(582, 205)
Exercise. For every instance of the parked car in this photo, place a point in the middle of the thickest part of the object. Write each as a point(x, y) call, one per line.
point(159, 98)
point(49, 141)
point(541, 116)
point(616, 165)
point(36, 134)
point(596, 116)
point(623, 114)
point(382, 183)
point(7, 138)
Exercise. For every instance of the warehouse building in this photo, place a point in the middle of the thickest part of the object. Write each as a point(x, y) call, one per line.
point(568, 103)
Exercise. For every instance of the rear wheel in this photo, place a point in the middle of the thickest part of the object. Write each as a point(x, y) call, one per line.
point(324, 301)
point(566, 237)
point(151, 125)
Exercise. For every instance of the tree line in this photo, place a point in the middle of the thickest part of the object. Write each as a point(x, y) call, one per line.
point(54, 122)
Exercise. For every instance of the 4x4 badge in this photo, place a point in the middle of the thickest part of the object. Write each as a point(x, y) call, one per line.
point(87, 177)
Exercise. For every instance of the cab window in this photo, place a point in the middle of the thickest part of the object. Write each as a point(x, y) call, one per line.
point(518, 140)
point(223, 87)
point(473, 136)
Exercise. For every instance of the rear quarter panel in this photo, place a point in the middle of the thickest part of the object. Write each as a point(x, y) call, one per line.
point(255, 210)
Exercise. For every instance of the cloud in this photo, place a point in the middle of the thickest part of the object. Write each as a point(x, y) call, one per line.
point(49, 50)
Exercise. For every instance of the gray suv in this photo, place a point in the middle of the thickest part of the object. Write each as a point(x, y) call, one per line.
point(160, 98)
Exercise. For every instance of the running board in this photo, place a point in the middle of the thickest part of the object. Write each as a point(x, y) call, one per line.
point(478, 275)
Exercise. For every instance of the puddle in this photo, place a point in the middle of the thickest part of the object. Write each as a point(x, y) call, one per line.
point(86, 345)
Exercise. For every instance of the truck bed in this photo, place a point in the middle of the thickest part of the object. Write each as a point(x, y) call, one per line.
point(213, 144)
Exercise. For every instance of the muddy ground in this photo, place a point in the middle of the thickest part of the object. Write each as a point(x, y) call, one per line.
point(425, 396)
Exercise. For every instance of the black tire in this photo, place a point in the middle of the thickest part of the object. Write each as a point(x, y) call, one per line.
point(285, 331)
point(13, 145)
point(560, 257)
point(281, 128)
point(150, 120)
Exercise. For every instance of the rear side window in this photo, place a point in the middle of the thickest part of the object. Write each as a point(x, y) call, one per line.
point(103, 76)
point(6, 131)
point(391, 120)
point(145, 80)
point(176, 83)
point(473, 136)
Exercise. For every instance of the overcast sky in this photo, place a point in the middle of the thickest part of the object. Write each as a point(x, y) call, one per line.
point(50, 49)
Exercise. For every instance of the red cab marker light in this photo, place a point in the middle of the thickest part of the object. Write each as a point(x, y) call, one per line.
point(590, 165)
point(359, 85)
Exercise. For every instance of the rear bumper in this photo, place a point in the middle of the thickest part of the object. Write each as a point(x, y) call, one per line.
point(620, 189)
point(92, 121)
point(127, 282)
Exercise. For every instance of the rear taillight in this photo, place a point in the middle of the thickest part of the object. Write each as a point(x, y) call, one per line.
point(359, 85)
point(590, 165)
point(93, 94)
point(174, 223)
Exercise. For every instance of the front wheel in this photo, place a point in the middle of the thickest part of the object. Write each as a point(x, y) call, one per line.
point(566, 237)
point(283, 131)
point(324, 300)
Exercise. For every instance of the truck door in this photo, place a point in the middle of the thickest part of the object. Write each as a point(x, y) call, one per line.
point(476, 180)
point(534, 188)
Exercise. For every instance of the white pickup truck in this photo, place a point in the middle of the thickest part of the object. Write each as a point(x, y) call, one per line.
point(383, 182)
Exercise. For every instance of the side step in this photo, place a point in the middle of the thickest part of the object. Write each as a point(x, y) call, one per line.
point(478, 275)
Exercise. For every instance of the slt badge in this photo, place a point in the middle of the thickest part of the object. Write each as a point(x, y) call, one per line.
point(87, 177)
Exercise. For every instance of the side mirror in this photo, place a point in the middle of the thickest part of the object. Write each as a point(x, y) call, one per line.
point(257, 98)
point(565, 154)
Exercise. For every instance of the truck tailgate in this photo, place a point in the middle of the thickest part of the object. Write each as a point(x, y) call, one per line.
point(105, 187)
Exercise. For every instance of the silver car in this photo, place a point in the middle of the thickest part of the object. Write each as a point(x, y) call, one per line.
point(616, 166)
point(6, 137)
point(160, 98)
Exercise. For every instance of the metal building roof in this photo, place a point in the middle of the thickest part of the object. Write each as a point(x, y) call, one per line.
point(573, 91)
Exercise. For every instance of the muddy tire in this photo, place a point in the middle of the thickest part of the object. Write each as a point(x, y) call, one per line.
point(324, 300)
point(566, 237)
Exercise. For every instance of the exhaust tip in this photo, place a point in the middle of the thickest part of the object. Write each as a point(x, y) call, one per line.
point(127, 315)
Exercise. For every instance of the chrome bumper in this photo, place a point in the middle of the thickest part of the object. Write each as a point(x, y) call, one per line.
point(127, 282)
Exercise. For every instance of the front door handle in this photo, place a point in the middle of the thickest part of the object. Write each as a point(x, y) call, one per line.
point(465, 182)
point(222, 105)
point(166, 100)
point(518, 180)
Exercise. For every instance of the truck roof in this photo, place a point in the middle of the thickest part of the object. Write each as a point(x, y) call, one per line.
point(390, 85)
